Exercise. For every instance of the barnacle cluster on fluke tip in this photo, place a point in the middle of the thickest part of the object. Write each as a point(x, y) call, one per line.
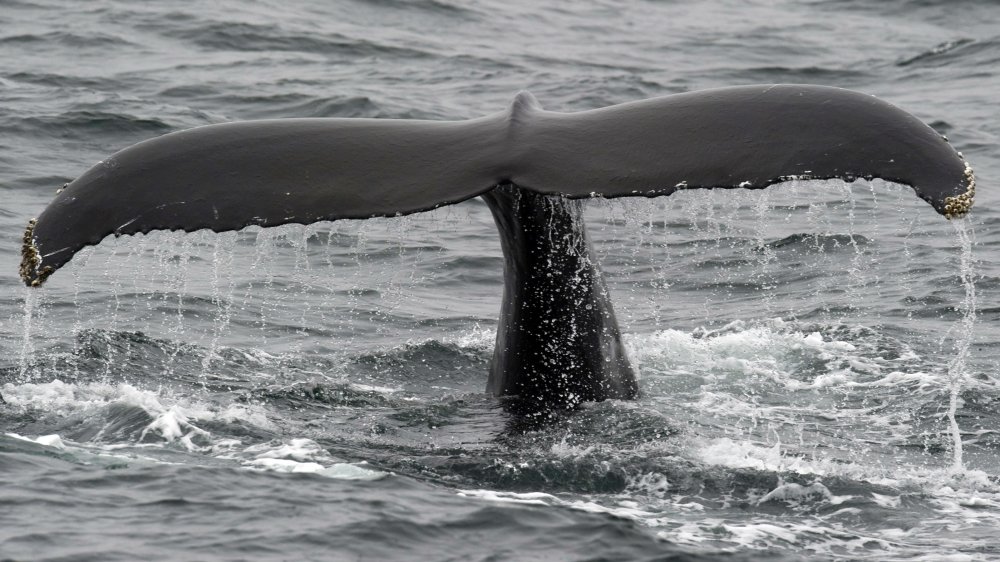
point(959, 205)
point(31, 260)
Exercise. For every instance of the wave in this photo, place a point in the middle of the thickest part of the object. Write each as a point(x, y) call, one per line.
point(61, 80)
point(68, 39)
point(952, 52)
point(809, 74)
point(251, 37)
point(84, 124)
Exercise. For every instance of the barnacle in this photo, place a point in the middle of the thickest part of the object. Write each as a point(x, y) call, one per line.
point(31, 259)
point(957, 206)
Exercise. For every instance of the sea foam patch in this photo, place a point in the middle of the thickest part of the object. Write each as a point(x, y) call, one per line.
point(53, 441)
point(305, 456)
point(776, 350)
point(625, 510)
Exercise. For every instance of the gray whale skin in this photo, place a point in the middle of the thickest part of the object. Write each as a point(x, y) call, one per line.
point(530, 166)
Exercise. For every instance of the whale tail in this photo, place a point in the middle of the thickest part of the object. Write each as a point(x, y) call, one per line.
point(267, 173)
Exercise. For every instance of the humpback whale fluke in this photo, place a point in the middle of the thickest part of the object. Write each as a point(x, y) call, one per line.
point(529, 165)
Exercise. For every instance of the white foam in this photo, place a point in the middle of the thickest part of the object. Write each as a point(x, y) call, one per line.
point(60, 397)
point(953, 557)
point(306, 456)
point(625, 509)
point(741, 454)
point(563, 449)
point(755, 533)
point(224, 448)
point(173, 420)
point(254, 415)
point(174, 425)
point(796, 494)
point(286, 465)
point(300, 450)
point(338, 471)
point(352, 471)
point(773, 350)
point(374, 388)
point(529, 498)
point(53, 441)
point(651, 484)
point(621, 511)
point(171, 423)
point(924, 382)
point(886, 501)
point(478, 338)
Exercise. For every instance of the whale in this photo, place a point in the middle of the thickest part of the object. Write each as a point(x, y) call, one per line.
point(558, 342)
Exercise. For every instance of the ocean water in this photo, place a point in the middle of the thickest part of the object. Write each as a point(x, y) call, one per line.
point(818, 361)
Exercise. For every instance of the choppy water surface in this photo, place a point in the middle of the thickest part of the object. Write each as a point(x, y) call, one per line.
point(808, 354)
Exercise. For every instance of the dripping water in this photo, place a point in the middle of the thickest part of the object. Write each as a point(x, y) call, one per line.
point(112, 280)
point(303, 279)
point(261, 267)
point(958, 368)
point(222, 260)
point(177, 283)
point(27, 347)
